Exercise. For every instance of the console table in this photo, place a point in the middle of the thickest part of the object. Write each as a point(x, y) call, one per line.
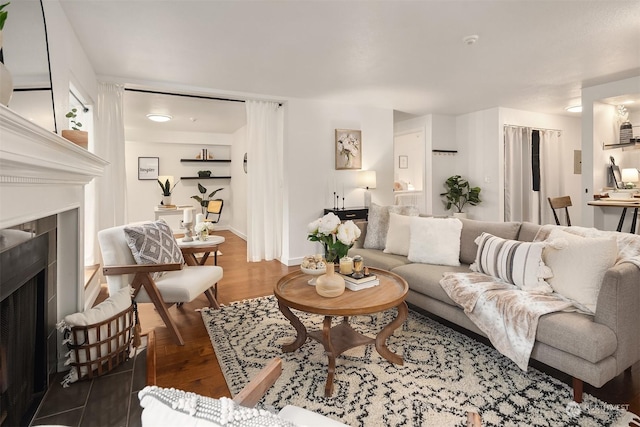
point(350, 213)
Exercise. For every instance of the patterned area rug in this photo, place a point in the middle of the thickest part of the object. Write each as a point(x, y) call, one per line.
point(445, 374)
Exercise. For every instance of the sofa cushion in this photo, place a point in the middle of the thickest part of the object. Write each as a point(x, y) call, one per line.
point(519, 263)
point(378, 259)
point(578, 269)
point(378, 223)
point(425, 278)
point(471, 230)
point(435, 241)
point(528, 231)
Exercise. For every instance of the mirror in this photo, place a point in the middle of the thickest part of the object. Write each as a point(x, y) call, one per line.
point(26, 56)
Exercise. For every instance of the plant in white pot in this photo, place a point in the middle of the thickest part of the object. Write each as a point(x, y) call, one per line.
point(167, 189)
point(75, 135)
point(458, 194)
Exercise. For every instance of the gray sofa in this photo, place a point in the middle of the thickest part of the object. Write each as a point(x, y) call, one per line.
point(593, 349)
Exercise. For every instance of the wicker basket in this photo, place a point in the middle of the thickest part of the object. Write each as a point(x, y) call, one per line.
point(103, 346)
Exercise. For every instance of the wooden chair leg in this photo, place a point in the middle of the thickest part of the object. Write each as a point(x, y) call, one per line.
point(578, 387)
point(145, 280)
point(211, 296)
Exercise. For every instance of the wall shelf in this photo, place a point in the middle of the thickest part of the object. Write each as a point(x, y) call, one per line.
point(206, 177)
point(629, 145)
point(444, 151)
point(206, 161)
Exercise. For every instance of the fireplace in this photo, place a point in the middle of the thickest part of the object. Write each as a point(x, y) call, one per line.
point(42, 180)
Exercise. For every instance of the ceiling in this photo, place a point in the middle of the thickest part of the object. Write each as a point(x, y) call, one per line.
point(408, 56)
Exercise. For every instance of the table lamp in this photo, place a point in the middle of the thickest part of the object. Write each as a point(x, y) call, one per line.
point(630, 177)
point(367, 180)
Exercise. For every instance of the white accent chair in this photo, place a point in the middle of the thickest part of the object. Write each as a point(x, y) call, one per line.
point(178, 284)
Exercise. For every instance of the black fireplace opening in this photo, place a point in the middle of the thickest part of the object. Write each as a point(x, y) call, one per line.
point(23, 330)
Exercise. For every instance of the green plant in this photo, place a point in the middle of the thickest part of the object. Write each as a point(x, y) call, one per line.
point(75, 125)
point(167, 189)
point(459, 193)
point(3, 14)
point(203, 198)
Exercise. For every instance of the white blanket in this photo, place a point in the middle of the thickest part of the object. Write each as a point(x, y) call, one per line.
point(505, 313)
point(508, 315)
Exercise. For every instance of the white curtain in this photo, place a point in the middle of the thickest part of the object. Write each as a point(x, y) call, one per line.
point(521, 202)
point(110, 189)
point(265, 180)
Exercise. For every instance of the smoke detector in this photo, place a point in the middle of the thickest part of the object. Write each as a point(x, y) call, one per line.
point(469, 40)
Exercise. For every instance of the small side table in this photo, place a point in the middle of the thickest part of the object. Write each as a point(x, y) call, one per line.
point(346, 214)
point(190, 249)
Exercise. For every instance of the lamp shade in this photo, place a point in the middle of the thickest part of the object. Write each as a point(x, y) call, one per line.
point(367, 179)
point(630, 175)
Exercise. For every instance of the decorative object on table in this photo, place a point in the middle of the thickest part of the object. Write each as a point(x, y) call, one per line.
point(459, 193)
point(203, 230)
point(313, 265)
point(348, 149)
point(148, 168)
point(365, 282)
point(366, 180)
point(165, 183)
point(346, 265)
point(187, 224)
point(336, 236)
point(630, 177)
point(330, 284)
point(626, 129)
point(204, 174)
point(204, 198)
point(6, 81)
point(75, 135)
point(358, 267)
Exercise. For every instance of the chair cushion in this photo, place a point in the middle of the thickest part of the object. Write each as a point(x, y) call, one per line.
point(153, 243)
point(184, 285)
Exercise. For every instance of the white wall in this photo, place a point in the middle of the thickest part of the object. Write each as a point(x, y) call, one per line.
point(170, 147)
point(309, 165)
point(238, 222)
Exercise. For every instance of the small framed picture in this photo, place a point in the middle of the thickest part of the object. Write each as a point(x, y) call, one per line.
point(348, 149)
point(148, 167)
point(403, 162)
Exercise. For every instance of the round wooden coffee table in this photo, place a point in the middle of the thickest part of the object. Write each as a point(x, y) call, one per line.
point(293, 291)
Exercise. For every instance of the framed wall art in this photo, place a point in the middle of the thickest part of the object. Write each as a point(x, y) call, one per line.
point(348, 149)
point(403, 162)
point(148, 167)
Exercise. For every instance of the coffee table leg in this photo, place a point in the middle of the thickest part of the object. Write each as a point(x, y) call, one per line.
point(301, 338)
point(381, 338)
point(328, 347)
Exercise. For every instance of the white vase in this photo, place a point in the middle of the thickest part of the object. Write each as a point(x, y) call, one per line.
point(460, 215)
point(6, 85)
point(166, 200)
point(330, 284)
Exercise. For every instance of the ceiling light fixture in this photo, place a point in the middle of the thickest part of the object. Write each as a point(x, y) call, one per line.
point(574, 108)
point(469, 40)
point(160, 118)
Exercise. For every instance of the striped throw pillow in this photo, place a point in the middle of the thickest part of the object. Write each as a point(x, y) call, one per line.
point(512, 261)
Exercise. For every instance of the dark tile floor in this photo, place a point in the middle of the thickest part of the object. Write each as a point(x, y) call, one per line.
point(109, 401)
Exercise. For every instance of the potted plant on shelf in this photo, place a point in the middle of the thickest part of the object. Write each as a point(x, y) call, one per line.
point(458, 194)
point(203, 198)
point(75, 135)
point(167, 189)
point(204, 174)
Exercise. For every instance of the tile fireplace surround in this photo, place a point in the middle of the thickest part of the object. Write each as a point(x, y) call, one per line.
point(42, 178)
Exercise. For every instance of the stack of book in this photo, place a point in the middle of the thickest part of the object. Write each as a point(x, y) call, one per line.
point(167, 207)
point(365, 282)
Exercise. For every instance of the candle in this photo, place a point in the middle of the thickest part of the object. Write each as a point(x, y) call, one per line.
point(188, 216)
point(199, 218)
point(346, 265)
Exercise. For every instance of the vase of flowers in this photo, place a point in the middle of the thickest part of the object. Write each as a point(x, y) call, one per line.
point(336, 237)
point(203, 229)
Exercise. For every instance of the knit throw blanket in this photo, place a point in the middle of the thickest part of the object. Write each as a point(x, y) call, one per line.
point(509, 316)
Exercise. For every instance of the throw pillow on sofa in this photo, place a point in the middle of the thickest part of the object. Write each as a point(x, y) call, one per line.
point(579, 268)
point(435, 240)
point(378, 223)
point(398, 235)
point(512, 261)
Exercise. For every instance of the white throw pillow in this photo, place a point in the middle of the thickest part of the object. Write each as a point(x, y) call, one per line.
point(579, 268)
point(515, 262)
point(435, 240)
point(113, 305)
point(398, 235)
point(378, 223)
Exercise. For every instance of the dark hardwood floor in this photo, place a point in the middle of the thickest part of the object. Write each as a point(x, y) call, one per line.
point(194, 367)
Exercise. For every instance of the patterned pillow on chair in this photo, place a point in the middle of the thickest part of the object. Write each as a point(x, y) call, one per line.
point(153, 243)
